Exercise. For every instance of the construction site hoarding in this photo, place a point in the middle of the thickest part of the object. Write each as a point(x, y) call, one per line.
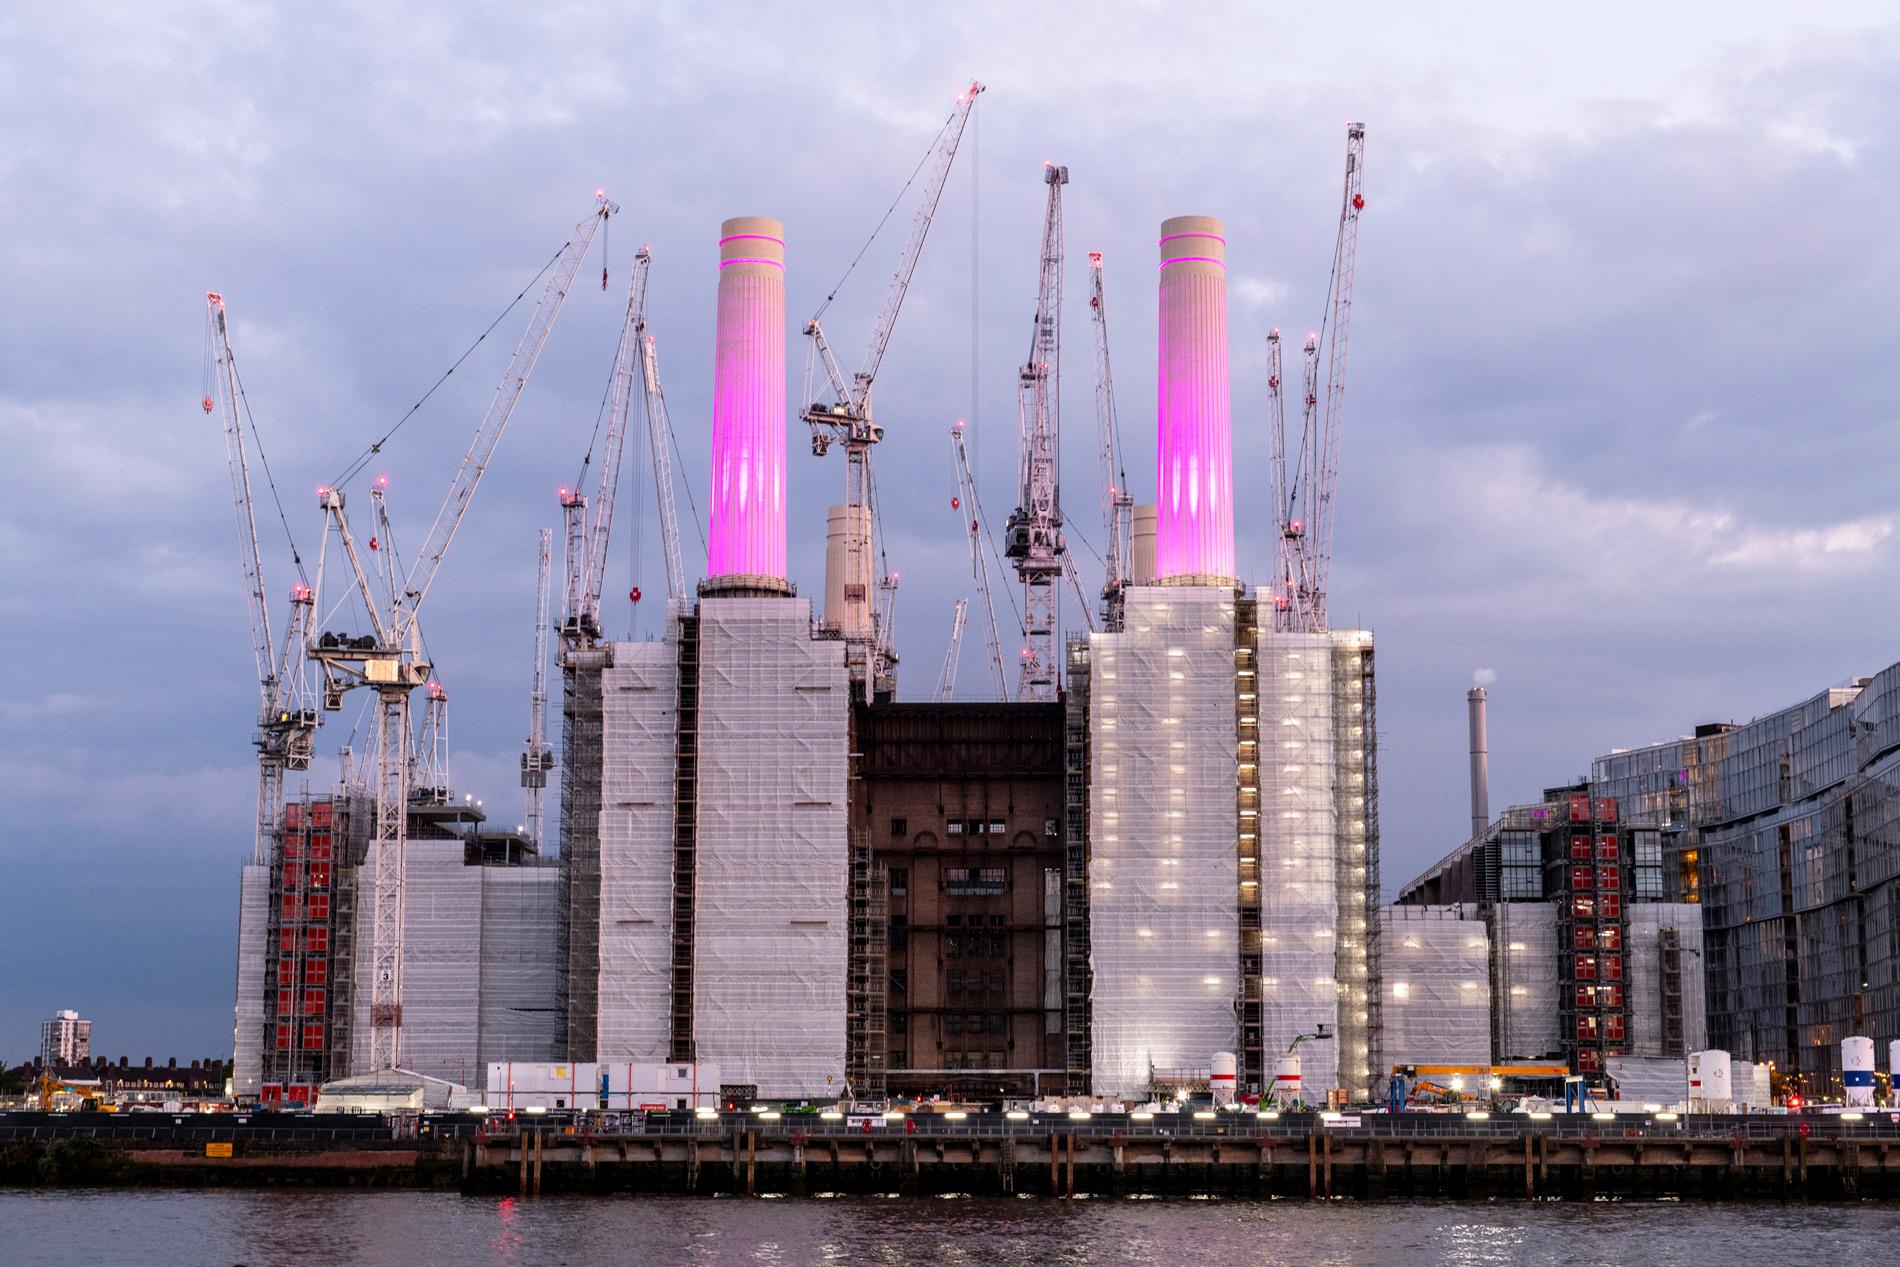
point(1163, 822)
point(770, 926)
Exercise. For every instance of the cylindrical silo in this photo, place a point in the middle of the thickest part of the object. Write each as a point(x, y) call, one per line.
point(1222, 1078)
point(1141, 525)
point(745, 545)
point(1857, 1071)
point(1194, 468)
point(1711, 1082)
point(1286, 1080)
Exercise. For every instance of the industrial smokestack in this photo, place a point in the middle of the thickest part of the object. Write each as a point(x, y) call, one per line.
point(1194, 470)
point(1142, 545)
point(1480, 762)
point(745, 547)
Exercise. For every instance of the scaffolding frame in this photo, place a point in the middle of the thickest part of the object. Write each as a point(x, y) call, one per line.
point(866, 1006)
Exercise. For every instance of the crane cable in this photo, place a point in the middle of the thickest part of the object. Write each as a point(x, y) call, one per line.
point(355, 468)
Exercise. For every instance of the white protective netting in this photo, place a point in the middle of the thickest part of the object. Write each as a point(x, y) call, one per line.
point(1299, 886)
point(1163, 875)
point(247, 1059)
point(520, 963)
point(441, 954)
point(1648, 996)
point(771, 922)
point(1526, 983)
point(639, 719)
point(1436, 1005)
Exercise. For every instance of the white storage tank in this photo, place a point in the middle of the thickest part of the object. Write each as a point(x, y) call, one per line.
point(1857, 1071)
point(1711, 1084)
point(1222, 1078)
point(1286, 1081)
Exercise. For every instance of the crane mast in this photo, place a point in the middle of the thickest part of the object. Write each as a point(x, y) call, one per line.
point(285, 721)
point(1306, 510)
point(390, 660)
point(537, 758)
point(847, 416)
point(947, 681)
point(1276, 429)
point(966, 501)
point(1034, 535)
point(1118, 504)
point(432, 750)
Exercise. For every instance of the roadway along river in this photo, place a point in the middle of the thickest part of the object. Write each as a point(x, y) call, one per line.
point(270, 1229)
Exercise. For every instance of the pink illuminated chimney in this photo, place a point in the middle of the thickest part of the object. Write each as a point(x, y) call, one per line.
point(1194, 468)
point(746, 544)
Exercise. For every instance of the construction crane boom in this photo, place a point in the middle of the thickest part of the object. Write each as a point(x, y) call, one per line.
point(1118, 503)
point(250, 555)
point(947, 681)
point(285, 721)
point(1283, 561)
point(1034, 535)
point(391, 661)
point(501, 408)
point(660, 445)
point(537, 758)
point(847, 416)
point(972, 511)
point(1306, 508)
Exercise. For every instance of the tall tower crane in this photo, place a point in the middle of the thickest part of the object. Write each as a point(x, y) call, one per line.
point(390, 660)
point(1305, 509)
point(537, 758)
point(972, 510)
point(1118, 504)
point(588, 536)
point(1034, 534)
point(286, 722)
point(947, 682)
point(847, 416)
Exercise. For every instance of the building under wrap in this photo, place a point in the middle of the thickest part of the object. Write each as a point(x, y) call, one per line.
point(1435, 965)
point(1163, 831)
point(479, 964)
point(631, 964)
point(770, 928)
point(1232, 865)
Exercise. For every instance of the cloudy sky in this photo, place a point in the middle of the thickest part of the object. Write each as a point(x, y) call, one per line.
point(1619, 435)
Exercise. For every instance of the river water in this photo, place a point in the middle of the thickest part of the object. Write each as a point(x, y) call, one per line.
point(265, 1229)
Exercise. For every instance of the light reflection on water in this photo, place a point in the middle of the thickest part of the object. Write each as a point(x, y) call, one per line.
point(259, 1228)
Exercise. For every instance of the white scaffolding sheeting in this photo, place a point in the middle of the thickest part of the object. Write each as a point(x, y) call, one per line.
point(1356, 878)
point(772, 852)
point(1299, 899)
point(1163, 823)
point(1526, 981)
point(247, 1057)
point(520, 963)
point(479, 964)
point(441, 958)
point(639, 714)
point(1646, 994)
point(1435, 964)
point(1660, 1080)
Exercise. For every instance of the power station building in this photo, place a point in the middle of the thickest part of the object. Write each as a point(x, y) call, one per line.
point(770, 865)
